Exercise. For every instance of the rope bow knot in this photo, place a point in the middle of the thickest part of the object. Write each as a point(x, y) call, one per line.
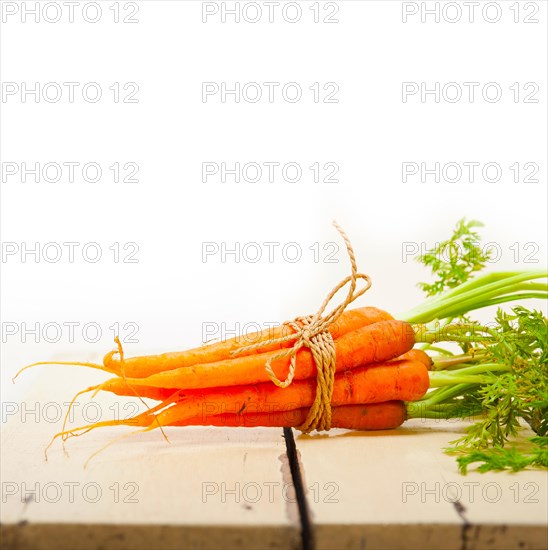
point(312, 332)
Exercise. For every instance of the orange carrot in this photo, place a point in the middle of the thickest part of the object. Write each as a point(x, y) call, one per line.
point(417, 355)
point(119, 386)
point(373, 416)
point(377, 342)
point(143, 366)
point(403, 380)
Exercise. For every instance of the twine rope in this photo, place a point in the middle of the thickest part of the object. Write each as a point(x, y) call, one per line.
point(312, 331)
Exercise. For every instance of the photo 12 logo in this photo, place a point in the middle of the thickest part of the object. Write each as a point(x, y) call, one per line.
point(71, 492)
point(70, 332)
point(69, 252)
point(53, 412)
point(269, 172)
point(469, 172)
point(469, 92)
point(69, 172)
point(470, 12)
point(70, 92)
point(270, 12)
point(269, 252)
point(246, 333)
point(252, 492)
point(469, 492)
point(69, 12)
point(526, 253)
point(269, 92)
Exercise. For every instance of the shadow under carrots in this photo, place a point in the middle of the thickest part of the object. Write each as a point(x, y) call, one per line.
point(399, 432)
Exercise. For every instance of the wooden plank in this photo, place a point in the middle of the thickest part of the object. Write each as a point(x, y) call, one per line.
point(214, 487)
point(210, 487)
point(397, 489)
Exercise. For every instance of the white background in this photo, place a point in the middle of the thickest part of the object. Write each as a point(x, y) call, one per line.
point(170, 292)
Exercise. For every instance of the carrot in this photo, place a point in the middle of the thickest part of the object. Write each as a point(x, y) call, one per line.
point(119, 386)
point(403, 380)
point(417, 355)
point(373, 416)
point(377, 342)
point(143, 366)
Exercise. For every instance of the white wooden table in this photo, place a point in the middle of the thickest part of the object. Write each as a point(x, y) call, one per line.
point(232, 488)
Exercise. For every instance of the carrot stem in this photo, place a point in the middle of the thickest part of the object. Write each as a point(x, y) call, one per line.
point(487, 290)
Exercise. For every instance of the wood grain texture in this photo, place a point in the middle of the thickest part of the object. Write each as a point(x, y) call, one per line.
point(397, 489)
point(208, 487)
point(231, 488)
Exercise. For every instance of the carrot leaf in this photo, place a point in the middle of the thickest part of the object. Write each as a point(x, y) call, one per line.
point(511, 458)
point(504, 381)
point(455, 260)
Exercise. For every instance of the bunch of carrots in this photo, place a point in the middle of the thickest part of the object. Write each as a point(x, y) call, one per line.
point(382, 376)
point(376, 372)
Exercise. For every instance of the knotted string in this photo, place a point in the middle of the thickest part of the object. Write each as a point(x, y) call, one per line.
point(312, 331)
